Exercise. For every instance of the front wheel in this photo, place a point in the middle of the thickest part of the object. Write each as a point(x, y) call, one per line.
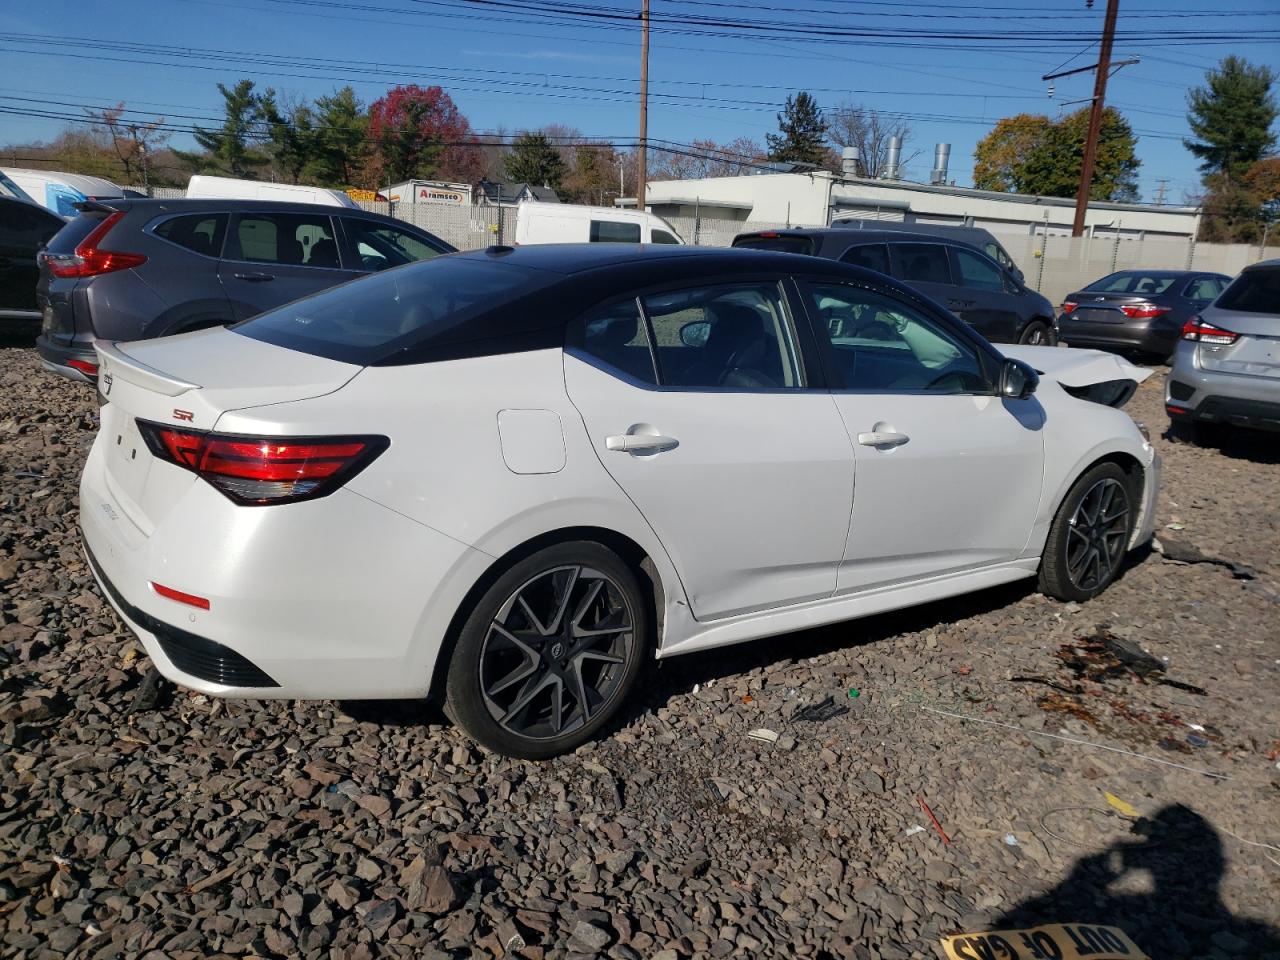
point(549, 652)
point(1036, 334)
point(1090, 535)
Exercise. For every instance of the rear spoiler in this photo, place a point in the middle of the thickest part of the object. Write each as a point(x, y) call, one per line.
point(115, 363)
point(94, 206)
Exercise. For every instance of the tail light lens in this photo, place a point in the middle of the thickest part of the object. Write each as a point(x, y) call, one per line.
point(1068, 306)
point(90, 260)
point(1143, 311)
point(1202, 332)
point(257, 471)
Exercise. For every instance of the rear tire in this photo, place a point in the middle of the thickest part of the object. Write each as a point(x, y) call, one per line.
point(549, 652)
point(1090, 535)
point(1036, 334)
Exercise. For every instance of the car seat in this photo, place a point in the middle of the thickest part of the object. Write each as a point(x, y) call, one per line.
point(738, 353)
point(324, 253)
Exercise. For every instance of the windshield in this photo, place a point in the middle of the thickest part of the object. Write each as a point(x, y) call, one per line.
point(370, 319)
point(1254, 291)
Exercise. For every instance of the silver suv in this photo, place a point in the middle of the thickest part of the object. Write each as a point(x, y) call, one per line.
point(1226, 368)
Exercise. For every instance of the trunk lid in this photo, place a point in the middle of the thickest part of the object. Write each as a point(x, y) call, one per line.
point(1098, 307)
point(190, 381)
point(1255, 354)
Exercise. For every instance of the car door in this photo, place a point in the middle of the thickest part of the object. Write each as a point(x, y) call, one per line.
point(272, 258)
point(984, 301)
point(24, 229)
point(744, 472)
point(948, 473)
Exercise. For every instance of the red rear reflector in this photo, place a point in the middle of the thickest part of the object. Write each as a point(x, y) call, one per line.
point(1172, 409)
point(88, 260)
point(1143, 311)
point(264, 470)
point(1068, 306)
point(1201, 332)
point(190, 599)
point(87, 367)
point(770, 234)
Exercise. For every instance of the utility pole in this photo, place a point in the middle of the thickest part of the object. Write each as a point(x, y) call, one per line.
point(642, 173)
point(1160, 192)
point(1095, 116)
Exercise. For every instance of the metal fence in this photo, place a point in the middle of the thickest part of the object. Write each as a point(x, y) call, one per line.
point(1053, 264)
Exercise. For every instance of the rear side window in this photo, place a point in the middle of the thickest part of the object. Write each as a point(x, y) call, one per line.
point(289, 239)
point(661, 236)
point(371, 320)
point(615, 335)
point(874, 256)
point(379, 246)
point(613, 231)
point(779, 244)
point(1204, 288)
point(199, 232)
point(1254, 291)
point(921, 263)
point(28, 227)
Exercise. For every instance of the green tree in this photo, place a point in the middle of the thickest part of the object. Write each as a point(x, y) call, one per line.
point(342, 129)
point(1043, 157)
point(229, 148)
point(1230, 118)
point(291, 136)
point(802, 132)
point(534, 160)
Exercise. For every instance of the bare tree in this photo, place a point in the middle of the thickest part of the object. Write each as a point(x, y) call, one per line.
point(853, 125)
point(706, 158)
point(132, 142)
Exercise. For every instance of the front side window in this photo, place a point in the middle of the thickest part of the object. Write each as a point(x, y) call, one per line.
point(874, 256)
point(289, 239)
point(734, 336)
point(882, 344)
point(613, 231)
point(977, 273)
point(921, 263)
point(198, 232)
point(379, 246)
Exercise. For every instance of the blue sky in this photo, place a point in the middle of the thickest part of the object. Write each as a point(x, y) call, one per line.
point(517, 64)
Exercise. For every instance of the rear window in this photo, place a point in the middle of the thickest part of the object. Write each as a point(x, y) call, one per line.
point(371, 319)
point(1254, 291)
point(1144, 283)
point(69, 237)
point(780, 244)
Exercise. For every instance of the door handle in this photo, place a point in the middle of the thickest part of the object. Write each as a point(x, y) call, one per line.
point(255, 277)
point(640, 442)
point(882, 438)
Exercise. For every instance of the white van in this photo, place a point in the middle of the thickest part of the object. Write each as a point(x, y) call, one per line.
point(227, 188)
point(59, 191)
point(570, 223)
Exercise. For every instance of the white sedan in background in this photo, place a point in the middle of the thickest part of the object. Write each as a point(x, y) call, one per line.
point(507, 478)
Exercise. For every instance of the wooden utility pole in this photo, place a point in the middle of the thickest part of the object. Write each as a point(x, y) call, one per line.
point(1095, 117)
point(642, 172)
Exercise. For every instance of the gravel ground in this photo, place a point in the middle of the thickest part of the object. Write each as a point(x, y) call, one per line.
point(361, 830)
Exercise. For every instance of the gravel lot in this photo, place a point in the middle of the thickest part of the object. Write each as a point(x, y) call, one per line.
point(361, 830)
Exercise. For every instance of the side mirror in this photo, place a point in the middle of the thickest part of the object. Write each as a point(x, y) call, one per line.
point(1018, 380)
point(695, 334)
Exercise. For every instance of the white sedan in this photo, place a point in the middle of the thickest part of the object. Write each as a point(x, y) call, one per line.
point(507, 478)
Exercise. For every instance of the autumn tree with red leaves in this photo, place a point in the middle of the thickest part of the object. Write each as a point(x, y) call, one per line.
point(419, 132)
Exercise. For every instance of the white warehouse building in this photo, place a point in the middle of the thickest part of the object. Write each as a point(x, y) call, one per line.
point(817, 198)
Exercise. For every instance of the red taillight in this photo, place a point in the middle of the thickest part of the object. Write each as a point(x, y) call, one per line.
point(87, 367)
point(1143, 311)
point(1202, 332)
point(1068, 306)
point(264, 470)
point(88, 260)
point(188, 598)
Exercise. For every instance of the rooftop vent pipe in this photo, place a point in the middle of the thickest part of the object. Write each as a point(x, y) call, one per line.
point(894, 158)
point(941, 156)
point(851, 162)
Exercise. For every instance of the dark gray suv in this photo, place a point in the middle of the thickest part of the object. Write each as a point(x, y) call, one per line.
point(136, 269)
point(958, 275)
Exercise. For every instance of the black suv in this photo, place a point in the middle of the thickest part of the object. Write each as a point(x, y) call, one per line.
point(136, 269)
point(24, 229)
point(974, 287)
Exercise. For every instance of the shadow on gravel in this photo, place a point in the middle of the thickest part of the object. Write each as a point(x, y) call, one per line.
point(1238, 443)
point(1182, 915)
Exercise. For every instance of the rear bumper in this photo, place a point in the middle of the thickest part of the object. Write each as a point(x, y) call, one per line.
point(1156, 341)
point(56, 358)
point(1193, 395)
point(332, 598)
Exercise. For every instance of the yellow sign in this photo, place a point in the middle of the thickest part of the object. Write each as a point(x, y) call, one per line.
point(1055, 941)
